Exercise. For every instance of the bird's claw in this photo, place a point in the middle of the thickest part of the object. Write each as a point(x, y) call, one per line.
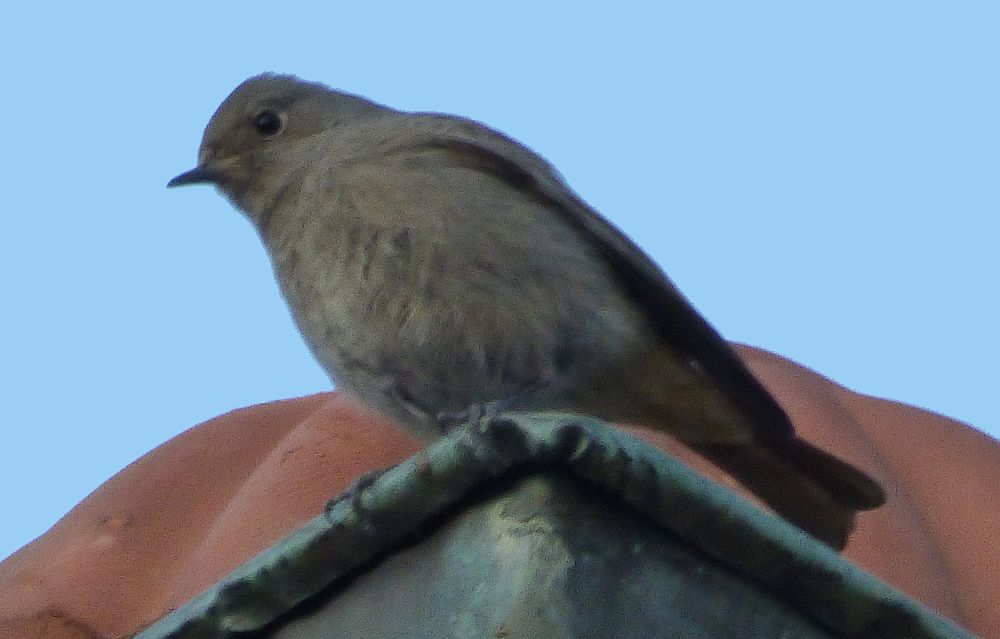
point(474, 414)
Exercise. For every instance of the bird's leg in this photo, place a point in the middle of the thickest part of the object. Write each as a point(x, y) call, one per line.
point(485, 411)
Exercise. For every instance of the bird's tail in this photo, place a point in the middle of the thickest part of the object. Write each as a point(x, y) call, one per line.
point(811, 488)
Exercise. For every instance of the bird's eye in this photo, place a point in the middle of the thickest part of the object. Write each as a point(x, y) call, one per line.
point(268, 123)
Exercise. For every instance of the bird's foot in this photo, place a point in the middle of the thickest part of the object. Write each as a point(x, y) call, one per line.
point(485, 411)
point(476, 413)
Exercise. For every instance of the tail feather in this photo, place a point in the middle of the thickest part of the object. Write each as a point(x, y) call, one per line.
point(846, 484)
point(811, 488)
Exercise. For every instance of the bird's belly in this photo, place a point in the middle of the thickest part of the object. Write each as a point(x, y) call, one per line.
point(440, 360)
point(414, 360)
point(416, 333)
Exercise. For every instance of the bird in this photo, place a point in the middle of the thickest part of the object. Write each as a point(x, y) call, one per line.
point(435, 266)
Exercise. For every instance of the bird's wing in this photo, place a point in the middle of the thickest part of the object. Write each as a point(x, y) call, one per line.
point(680, 326)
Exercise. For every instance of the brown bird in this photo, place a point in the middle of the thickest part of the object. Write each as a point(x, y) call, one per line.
point(434, 265)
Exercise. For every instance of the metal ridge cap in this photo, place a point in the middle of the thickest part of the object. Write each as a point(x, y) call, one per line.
point(380, 513)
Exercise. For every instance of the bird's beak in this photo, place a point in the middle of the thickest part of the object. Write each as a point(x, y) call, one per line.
point(200, 174)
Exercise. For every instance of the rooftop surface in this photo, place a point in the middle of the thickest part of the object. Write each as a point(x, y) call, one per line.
point(399, 507)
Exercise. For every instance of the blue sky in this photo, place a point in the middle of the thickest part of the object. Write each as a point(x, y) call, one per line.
point(821, 179)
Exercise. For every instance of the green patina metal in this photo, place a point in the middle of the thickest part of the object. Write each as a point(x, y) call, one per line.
point(806, 574)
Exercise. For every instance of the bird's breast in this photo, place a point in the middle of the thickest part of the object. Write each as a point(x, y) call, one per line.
point(447, 318)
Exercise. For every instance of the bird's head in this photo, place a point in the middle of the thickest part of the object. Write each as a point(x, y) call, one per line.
point(262, 133)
